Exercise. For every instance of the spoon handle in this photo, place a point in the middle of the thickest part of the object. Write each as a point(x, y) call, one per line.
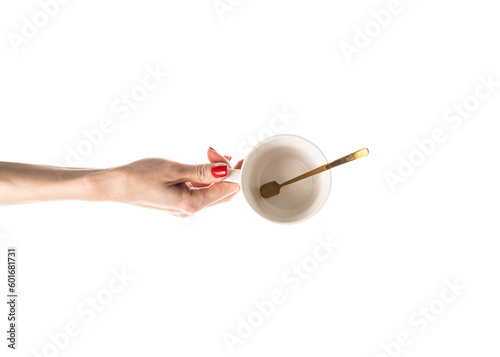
point(351, 157)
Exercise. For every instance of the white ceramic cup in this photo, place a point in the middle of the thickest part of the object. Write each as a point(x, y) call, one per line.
point(280, 158)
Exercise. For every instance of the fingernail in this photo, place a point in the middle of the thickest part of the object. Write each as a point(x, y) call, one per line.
point(219, 171)
point(229, 158)
point(211, 148)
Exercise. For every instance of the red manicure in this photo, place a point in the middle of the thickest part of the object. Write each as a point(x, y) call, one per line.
point(219, 171)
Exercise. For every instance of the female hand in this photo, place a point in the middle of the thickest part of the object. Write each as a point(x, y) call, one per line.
point(177, 188)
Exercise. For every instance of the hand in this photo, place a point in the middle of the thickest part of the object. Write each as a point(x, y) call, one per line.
point(177, 188)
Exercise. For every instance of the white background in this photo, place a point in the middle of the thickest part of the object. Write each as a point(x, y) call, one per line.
point(195, 277)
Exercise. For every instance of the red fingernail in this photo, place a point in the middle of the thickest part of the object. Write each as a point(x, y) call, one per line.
point(229, 158)
point(219, 171)
point(211, 148)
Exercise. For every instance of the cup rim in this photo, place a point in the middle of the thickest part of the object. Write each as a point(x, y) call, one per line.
point(328, 173)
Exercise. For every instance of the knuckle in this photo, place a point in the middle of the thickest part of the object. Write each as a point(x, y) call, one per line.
point(201, 173)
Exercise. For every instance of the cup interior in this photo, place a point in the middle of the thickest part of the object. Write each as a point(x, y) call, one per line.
point(281, 158)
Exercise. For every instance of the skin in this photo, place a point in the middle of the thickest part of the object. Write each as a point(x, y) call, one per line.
point(176, 188)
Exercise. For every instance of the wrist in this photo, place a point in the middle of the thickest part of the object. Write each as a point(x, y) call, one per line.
point(105, 185)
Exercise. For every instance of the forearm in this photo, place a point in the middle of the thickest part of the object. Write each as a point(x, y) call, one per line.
point(26, 183)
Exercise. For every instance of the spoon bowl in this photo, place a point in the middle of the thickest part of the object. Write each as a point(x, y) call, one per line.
point(270, 189)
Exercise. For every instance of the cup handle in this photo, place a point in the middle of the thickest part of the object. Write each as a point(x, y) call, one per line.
point(233, 175)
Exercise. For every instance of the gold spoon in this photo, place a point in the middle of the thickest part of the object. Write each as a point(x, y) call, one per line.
point(272, 188)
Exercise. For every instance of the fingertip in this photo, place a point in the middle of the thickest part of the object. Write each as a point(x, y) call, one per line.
point(219, 171)
point(234, 186)
point(215, 157)
point(239, 164)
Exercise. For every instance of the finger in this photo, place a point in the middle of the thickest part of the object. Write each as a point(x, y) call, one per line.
point(224, 200)
point(197, 185)
point(173, 211)
point(238, 164)
point(202, 173)
point(204, 197)
point(214, 156)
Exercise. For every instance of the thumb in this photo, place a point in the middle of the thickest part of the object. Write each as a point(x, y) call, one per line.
point(218, 193)
point(203, 173)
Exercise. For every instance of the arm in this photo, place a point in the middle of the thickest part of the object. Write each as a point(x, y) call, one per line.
point(154, 183)
point(26, 183)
